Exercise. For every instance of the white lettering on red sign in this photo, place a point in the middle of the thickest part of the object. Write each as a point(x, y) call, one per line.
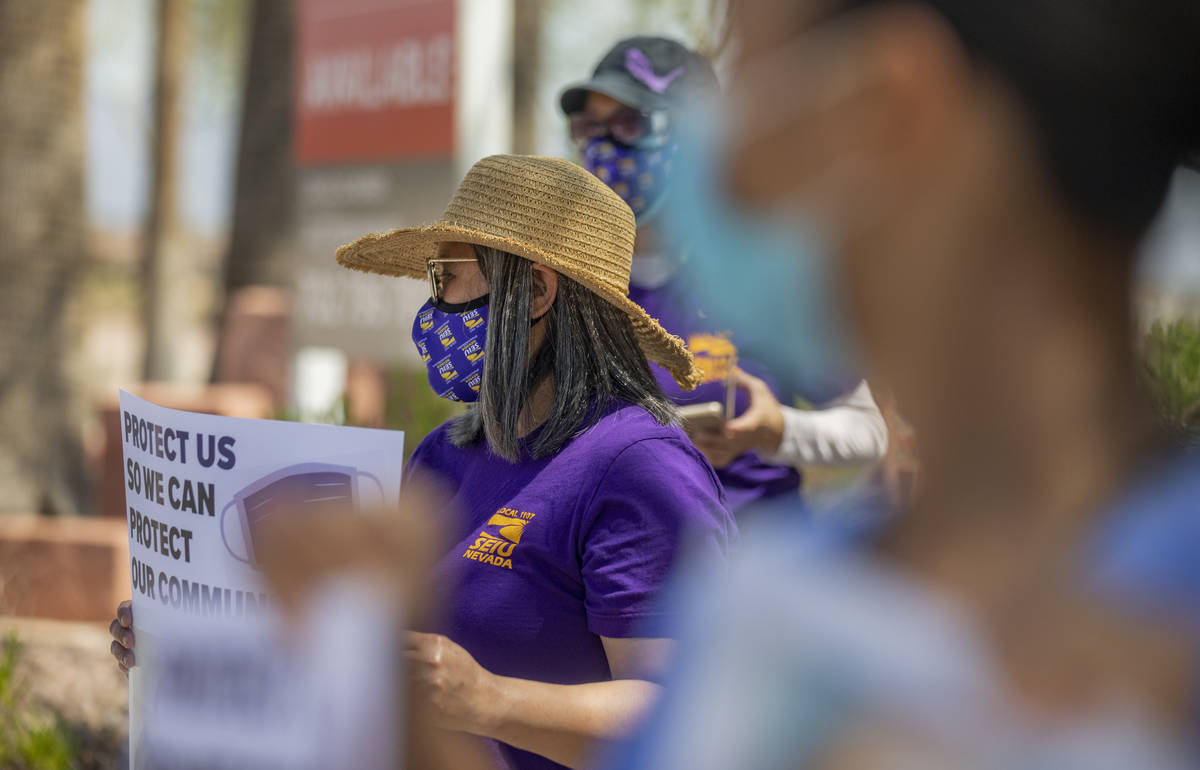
point(407, 74)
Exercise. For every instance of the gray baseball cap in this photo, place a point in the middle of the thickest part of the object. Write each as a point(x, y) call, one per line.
point(647, 73)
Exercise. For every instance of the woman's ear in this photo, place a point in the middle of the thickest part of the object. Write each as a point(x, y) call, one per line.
point(545, 289)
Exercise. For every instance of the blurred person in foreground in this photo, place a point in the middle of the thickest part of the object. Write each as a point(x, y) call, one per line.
point(978, 176)
point(626, 121)
point(572, 489)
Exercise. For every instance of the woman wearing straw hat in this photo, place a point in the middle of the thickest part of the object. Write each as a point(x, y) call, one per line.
point(572, 488)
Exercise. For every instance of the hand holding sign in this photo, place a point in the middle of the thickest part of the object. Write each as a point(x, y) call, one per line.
point(122, 633)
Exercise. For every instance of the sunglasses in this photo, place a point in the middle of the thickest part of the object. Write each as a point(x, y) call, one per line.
point(436, 273)
point(626, 126)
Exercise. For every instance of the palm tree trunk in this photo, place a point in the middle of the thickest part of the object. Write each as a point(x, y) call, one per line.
point(264, 201)
point(158, 316)
point(41, 248)
point(527, 32)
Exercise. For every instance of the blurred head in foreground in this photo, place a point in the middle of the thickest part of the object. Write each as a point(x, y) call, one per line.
point(968, 182)
point(982, 174)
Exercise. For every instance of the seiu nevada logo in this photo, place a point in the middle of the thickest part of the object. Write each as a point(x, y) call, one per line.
point(472, 350)
point(426, 320)
point(445, 336)
point(510, 523)
point(472, 318)
point(424, 351)
point(450, 394)
point(445, 367)
point(474, 381)
point(496, 547)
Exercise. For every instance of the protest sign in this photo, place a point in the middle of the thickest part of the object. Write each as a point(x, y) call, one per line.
point(197, 487)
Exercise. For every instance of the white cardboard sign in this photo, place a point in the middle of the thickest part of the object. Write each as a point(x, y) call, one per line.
point(196, 488)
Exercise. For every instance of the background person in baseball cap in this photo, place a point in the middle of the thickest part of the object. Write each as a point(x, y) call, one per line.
point(625, 121)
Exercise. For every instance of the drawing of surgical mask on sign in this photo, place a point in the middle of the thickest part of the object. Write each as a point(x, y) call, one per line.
point(296, 488)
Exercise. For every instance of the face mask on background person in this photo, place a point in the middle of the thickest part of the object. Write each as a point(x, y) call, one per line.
point(630, 149)
point(765, 278)
point(450, 340)
point(640, 176)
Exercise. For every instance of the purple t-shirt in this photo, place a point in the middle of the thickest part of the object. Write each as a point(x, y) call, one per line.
point(748, 477)
point(550, 555)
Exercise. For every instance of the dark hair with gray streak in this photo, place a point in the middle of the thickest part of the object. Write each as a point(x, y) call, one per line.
point(590, 350)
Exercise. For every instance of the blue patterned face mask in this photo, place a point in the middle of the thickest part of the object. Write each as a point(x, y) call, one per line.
point(450, 340)
point(638, 175)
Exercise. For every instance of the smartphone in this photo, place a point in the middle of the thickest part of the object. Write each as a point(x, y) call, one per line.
point(706, 417)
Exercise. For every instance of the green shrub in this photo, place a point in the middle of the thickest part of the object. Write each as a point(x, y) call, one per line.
point(413, 407)
point(1171, 368)
point(29, 739)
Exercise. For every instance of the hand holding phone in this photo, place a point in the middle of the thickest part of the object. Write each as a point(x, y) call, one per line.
point(708, 417)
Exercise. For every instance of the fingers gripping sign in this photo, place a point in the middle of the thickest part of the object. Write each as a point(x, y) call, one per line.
point(121, 629)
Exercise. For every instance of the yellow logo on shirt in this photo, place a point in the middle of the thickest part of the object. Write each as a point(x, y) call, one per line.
point(496, 547)
point(511, 527)
point(716, 356)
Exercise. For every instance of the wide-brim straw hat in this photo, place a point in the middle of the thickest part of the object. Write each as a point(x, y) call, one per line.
point(547, 210)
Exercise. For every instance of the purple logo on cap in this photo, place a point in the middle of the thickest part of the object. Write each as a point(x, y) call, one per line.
point(640, 67)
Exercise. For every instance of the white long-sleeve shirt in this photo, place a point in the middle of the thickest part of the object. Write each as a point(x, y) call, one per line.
point(849, 430)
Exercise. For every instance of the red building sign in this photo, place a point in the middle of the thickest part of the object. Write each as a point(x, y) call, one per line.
point(374, 80)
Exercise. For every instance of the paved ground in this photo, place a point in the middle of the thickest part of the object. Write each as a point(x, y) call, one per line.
point(68, 671)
